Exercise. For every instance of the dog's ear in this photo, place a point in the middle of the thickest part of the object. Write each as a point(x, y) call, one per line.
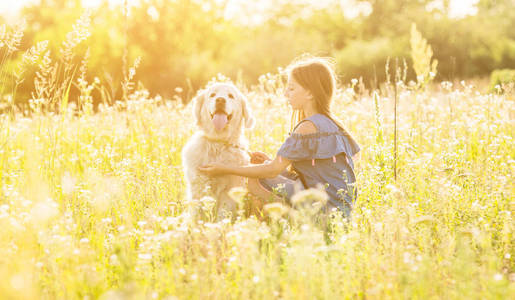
point(247, 113)
point(198, 101)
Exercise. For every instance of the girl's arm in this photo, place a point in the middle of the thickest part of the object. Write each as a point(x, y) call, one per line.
point(265, 170)
point(268, 169)
point(356, 157)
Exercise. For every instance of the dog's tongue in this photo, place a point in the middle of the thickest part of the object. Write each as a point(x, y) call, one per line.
point(219, 120)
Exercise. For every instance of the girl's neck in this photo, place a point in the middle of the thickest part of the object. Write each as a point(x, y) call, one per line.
point(309, 111)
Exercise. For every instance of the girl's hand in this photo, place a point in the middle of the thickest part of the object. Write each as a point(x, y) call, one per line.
point(213, 169)
point(258, 157)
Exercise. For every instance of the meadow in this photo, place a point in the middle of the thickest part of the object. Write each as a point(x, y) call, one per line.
point(92, 199)
point(92, 205)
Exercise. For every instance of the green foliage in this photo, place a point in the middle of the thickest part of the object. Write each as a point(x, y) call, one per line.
point(500, 78)
point(359, 56)
point(185, 43)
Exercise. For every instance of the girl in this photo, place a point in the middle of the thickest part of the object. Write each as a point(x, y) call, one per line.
point(319, 149)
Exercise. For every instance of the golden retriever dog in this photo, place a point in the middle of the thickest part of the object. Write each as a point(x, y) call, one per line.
point(221, 112)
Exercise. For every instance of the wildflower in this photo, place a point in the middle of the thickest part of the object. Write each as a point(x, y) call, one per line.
point(19, 281)
point(309, 195)
point(237, 194)
point(67, 183)
point(446, 85)
point(498, 277)
point(44, 211)
point(423, 219)
point(275, 210)
point(378, 227)
point(113, 260)
point(145, 256)
point(208, 203)
point(344, 238)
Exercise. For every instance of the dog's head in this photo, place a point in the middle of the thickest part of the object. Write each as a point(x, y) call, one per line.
point(221, 109)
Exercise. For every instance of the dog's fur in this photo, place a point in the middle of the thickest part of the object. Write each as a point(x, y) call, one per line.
point(208, 145)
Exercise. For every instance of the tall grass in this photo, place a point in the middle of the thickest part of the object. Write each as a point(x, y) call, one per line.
point(91, 204)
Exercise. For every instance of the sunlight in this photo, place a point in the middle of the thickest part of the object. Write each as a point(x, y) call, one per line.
point(350, 8)
point(462, 8)
point(353, 9)
point(95, 3)
point(457, 9)
point(139, 140)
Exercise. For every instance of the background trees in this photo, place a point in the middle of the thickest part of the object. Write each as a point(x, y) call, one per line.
point(183, 43)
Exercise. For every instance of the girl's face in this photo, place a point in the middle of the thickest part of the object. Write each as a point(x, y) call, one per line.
point(298, 97)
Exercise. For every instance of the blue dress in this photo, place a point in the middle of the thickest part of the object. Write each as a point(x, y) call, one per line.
point(321, 158)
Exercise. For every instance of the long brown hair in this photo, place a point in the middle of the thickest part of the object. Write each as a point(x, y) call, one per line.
point(315, 74)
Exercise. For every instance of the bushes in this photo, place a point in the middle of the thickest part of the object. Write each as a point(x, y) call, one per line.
point(184, 43)
point(502, 77)
point(359, 57)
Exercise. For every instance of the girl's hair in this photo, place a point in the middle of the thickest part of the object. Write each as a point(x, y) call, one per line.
point(316, 75)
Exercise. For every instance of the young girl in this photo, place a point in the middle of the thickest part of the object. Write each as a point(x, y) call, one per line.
point(319, 149)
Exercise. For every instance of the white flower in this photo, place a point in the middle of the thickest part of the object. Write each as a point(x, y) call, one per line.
point(44, 211)
point(113, 260)
point(275, 210)
point(498, 277)
point(208, 202)
point(145, 256)
point(67, 184)
point(310, 195)
point(237, 194)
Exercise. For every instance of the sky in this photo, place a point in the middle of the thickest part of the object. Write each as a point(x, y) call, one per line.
point(353, 8)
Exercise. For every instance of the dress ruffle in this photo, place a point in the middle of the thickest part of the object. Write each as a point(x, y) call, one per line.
point(319, 145)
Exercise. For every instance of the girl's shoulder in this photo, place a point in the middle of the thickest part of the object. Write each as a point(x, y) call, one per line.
point(323, 123)
point(327, 141)
point(306, 127)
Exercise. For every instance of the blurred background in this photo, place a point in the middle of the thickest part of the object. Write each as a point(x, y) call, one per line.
point(184, 43)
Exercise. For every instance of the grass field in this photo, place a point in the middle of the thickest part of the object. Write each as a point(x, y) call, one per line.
point(91, 205)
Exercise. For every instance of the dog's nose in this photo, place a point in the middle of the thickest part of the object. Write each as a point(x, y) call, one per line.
point(220, 102)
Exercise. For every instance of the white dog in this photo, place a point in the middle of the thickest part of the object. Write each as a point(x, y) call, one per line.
point(221, 112)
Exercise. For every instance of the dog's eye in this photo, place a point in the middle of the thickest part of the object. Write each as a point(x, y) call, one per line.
point(212, 95)
point(231, 96)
